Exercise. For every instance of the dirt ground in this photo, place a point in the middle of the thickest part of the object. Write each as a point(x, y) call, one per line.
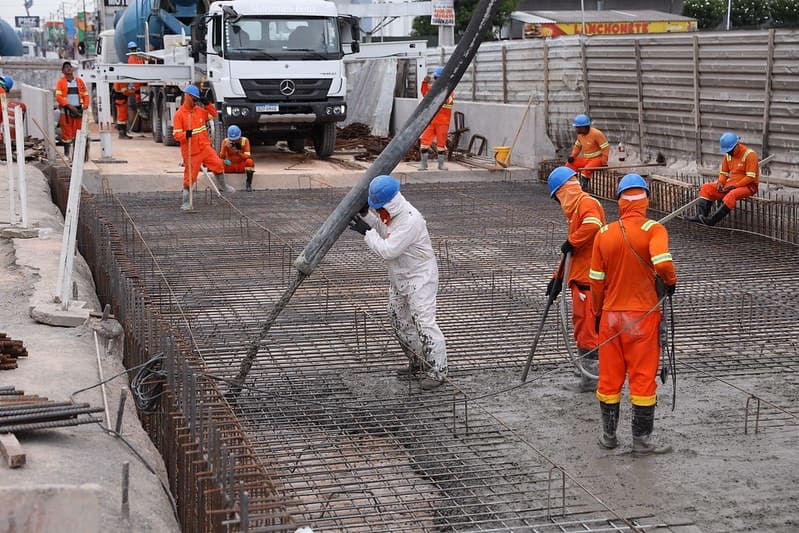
point(60, 362)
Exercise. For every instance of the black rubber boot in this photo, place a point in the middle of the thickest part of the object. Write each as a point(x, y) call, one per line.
point(423, 161)
point(714, 219)
point(67, 148)
point(610, 420)
point(643, 422)
point(702, 210)
point(248, 185)
point(442, 161)
point(123, 131)
point(590, 364)
point(412, 371)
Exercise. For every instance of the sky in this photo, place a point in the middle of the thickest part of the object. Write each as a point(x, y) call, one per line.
point(43, 8)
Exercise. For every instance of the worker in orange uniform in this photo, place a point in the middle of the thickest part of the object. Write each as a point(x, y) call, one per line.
point(438, 129)
point(122, 90)
point(236, 155)
point(190, 130)
point(590, 150)
point(72, 97)
point(629, 256)
point(586, 216)
point(739, 178)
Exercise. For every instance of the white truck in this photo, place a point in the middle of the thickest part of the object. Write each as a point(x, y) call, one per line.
point(272, 67)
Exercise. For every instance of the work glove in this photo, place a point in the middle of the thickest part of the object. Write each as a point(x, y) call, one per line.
point(720, 187)
point(358, 224)
point(670, 289)
point(364, 210)
point(566, 247)
point(570, 159)
point(227, 162)
point(554, 287)
point(189, 133)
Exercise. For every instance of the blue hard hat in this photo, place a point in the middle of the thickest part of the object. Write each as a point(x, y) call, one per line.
point(8, 82)
point(557, 178)
point(382, 190)
point(192, 90)
point(632, 181)
point(133, 44)
point(234, 133)
point(728, 141)
point(581, 120)
point(437, 72)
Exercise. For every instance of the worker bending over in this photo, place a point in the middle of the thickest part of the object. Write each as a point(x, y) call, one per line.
point(590, 150)
point(397, 232)
point(739, 178)
point(438, 129)
point(189, 129)
point(236, 155)
point(585, 216)
point(629, 255)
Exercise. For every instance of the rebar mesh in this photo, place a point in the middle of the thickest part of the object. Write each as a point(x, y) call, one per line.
point(322, 433)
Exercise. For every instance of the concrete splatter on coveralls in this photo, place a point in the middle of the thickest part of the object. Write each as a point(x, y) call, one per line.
point(413, 275)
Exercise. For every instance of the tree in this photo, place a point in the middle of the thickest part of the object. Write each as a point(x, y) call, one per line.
point(785, 13)
point(749, 13)
point(463, 14)
point(708, 13)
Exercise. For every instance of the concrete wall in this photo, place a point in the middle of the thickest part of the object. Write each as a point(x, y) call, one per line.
point(33, 71)
point(39, 103)
point(498, 123)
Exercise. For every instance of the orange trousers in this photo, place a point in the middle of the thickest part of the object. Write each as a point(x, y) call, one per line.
point(206, 156)
point(583, 319)
point(240, 167)
point(585, 163)
point(437, 132)
point(122, 111)
point(69, 126)
point(633, 351)
point(708, 191)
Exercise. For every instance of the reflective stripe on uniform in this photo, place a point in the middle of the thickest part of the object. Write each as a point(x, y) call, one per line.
point(596, 275)
point(648, 224)
point(727, 174)
point(746, 153)
point(198, 130)
point(594, 154)
point(592, 220)
point(608, 398)
point(661, 258)
point(751, 175)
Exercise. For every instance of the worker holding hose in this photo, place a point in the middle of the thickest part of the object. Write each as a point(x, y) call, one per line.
point(397, 232)
point(739, 177)
point(631, 270)
point(585, 216)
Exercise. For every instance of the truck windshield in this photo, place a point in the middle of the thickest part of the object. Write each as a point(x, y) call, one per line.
point(306, 38)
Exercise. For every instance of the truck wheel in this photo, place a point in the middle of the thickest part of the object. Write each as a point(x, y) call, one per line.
point(155, 118)
point(166, 123)
point(324, 140)
point(296, 144)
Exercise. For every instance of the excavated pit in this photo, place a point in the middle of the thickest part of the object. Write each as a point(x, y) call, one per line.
point(324, 435)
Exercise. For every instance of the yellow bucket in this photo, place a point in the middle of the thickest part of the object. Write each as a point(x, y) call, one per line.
point(502, 156)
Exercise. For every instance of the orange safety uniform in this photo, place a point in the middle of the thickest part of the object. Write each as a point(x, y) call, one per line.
point(594, 147)
point(135, 60)
point(194, 118)
point(121, 92)
point(240, 160)
point(626, 255)
point(69, 124)
point(438, 129)
point(738, 178)
point(586, 216)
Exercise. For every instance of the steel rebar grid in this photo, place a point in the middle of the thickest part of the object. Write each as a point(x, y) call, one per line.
point(329, 339)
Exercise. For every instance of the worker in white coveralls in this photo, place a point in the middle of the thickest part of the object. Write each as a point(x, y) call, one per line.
point(397, 232)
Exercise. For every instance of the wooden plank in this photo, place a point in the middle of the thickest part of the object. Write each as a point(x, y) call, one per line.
point(11, 450)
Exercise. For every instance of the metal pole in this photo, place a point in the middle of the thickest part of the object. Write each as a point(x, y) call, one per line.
point(9, 160)
point(729, 11)
point(67, 258)
point(19, 125)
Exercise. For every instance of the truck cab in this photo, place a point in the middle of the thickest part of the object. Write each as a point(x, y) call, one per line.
point(276, 68)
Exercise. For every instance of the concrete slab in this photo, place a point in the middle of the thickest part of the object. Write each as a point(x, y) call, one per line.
point(53, 314)
point(50, 508)
point(18, 232)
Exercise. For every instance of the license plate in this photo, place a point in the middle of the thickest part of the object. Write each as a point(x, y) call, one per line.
point(267, 108)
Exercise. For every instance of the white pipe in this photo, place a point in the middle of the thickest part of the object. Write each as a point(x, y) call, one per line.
point(102, 380)
point(12, 214)
point(19, 125)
